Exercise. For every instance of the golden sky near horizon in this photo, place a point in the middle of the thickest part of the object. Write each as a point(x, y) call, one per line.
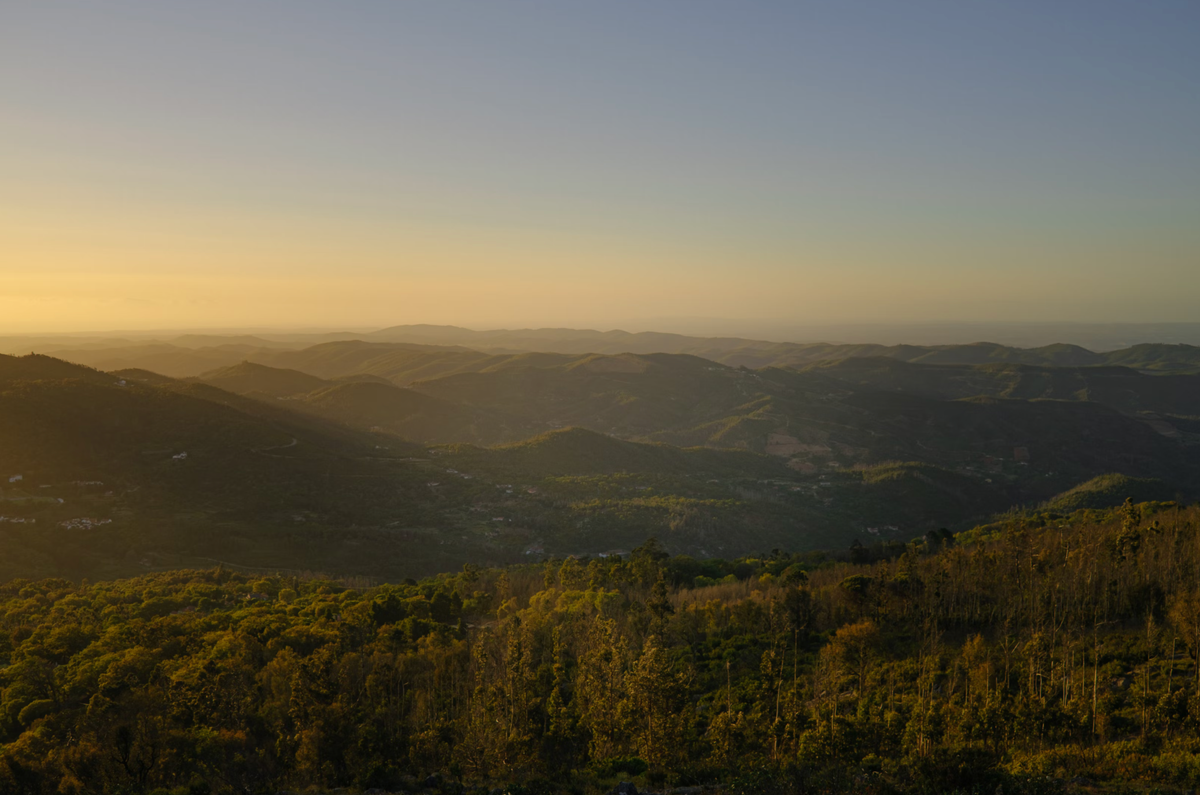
point(304, 165)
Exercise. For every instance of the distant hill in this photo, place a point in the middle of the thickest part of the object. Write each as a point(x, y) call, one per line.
point(36, 367)
point(818, 421)
point(757, 353)
point(396, 361)
point(451, 349)
point(366, 402)
point(1119, 387)
point(406, 364)
point(246, 377)
point(848, 412)
point(403, 412)
point(321, 463)
point(116, 474)
point(142, 376)
point(1109, 491)
point(587, 492)
point(170, 360)
point(100, 477)
point(1042, 430)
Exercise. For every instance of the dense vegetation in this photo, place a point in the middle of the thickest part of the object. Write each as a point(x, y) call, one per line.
point(1031, 655)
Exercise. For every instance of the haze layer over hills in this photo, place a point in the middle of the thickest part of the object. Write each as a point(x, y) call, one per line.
point(192, 354)
point(395, 453)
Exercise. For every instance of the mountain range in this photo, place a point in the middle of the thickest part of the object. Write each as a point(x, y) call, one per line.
point(191, 354)
point(391, 458)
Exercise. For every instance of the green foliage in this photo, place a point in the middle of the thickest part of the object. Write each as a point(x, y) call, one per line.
point(1020, 661)
point(1109, 491)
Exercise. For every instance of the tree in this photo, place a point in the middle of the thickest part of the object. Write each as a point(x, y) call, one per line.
point(653, 706)
point(660, 598)
point(854, 647)
point(797, 603)
point(600, 687)
point(1184, 614)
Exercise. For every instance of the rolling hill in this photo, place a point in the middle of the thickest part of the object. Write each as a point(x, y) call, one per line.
point(1041, 430)
point(1122, 388)
point(247, 377)
point(1107, 491)
point(364, 401)
point(581, 491)
point(539, 454)
point(382, 352)
point(758, 353)
point(105, 475)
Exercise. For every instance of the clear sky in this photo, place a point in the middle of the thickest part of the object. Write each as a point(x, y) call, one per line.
point(528, 163)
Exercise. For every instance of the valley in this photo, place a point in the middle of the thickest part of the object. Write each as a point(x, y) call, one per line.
point(393, 459)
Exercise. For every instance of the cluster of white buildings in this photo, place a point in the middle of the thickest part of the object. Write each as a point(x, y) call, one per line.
point(83, 523)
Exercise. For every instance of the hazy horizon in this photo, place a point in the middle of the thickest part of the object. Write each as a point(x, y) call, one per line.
point(267, 164)
point(1094, 336)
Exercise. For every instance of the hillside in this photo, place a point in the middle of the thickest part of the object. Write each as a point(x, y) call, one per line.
point(1109, 491)
point(1122, 388)
point(104, 476)
point(818, 423)
point(449, 352)
point(1037, 432)
point(398, 363)
point(246, 377)
point(576, 451)
point(585, 491)
point(366, 402)
point(36, 367)
point(590, 453)
point(403, 412)
point(118, 475)
point(973, 663)
point(387, 352)
point(757, 353)
point(175, 361)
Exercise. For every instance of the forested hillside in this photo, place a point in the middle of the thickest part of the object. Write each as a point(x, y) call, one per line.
point(1044, 654)
point(110, 474)
point(1071, 423)
point(105, 476)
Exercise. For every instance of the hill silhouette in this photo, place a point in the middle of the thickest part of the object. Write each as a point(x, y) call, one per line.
point(1067, 422)
point(364, 401)
point(103, 477)
point(36, 367)
point(451, 349)
point(1109, 491)
point(246, 377)
point(1122, 388)
point(403, 412)
point(588, 452)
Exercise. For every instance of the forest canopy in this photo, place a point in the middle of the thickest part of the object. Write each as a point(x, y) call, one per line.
point(1040, 653)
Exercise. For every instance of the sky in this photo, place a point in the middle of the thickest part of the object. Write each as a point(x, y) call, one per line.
point(513, 163)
